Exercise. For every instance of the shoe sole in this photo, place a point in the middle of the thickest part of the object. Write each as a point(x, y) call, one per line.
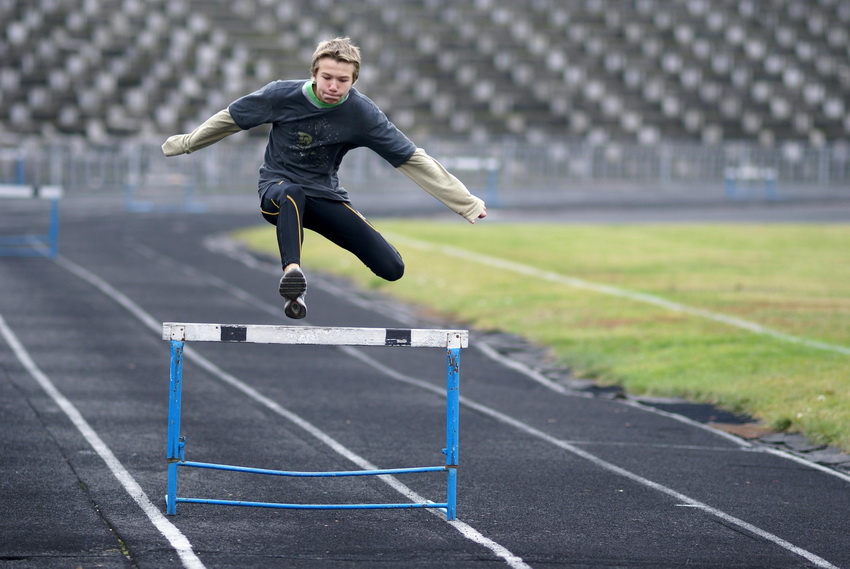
point(292, 285)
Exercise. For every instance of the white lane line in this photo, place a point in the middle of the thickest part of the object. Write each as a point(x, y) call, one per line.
point(505, 419)
point(615, 291)
point(174, 536)
point(513, 561)
point(684, 499)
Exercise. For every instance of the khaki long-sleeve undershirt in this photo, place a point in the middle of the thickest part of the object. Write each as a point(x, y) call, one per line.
point(430, 175)
point(215, 128)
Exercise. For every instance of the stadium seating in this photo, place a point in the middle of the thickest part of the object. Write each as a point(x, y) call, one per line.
point(637, 70)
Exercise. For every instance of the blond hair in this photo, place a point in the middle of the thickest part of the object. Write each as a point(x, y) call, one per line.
point(340, 49)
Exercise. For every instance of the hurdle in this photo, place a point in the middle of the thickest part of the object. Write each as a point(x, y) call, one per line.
point(35, 245)
point(746, 179)
point(452, 341)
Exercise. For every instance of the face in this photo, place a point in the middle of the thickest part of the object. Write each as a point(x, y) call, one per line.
point(332, 80)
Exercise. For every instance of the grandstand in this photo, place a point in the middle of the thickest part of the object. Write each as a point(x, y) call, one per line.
point(635, 71)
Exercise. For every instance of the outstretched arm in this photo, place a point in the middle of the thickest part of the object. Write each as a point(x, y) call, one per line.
point(437, 181)
point(215, 128)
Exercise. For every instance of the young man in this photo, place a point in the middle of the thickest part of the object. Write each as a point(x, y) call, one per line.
point(314, 124)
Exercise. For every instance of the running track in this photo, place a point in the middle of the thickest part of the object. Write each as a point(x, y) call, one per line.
point(547, 478)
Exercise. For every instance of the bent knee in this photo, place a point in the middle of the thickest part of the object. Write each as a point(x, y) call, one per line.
point(397, 274)
point(391, 272)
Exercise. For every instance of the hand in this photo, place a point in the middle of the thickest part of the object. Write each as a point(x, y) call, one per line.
point(481, 215)
point(175, 145)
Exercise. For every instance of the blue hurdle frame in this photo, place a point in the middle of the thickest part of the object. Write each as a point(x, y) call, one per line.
point(178, 334)
point(35, 245)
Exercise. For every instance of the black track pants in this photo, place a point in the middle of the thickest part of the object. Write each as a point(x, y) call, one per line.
point(286, 207)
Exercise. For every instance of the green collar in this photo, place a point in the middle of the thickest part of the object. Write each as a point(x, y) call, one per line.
point(307, 89)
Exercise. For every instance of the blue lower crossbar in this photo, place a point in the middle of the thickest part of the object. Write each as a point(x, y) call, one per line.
point(171, 506)
point(309, 506)
point(312, 474)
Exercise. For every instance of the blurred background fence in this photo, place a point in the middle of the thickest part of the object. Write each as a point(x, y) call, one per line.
point(508, 173)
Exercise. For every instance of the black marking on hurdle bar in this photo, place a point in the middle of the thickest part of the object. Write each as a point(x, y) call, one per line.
point(396, 337)
point(234, 333)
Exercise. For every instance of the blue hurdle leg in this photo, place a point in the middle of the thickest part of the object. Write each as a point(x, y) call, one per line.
point(53, 236)
point(452, 420)
point(175, 446)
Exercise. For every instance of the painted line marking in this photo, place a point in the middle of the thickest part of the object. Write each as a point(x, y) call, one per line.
point(582, 284)
point(174, 536)
point(605, 465)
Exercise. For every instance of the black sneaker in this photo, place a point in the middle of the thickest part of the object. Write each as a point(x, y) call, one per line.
point(293, 287)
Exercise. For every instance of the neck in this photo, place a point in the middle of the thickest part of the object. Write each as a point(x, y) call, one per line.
point(309, 90)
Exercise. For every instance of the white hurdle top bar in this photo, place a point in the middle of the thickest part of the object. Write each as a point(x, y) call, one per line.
point(314, 335)
point(25, 191)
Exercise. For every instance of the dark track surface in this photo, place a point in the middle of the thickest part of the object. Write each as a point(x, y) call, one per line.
point(553, 479)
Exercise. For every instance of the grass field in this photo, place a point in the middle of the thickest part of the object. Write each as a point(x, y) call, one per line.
point(752, 318)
